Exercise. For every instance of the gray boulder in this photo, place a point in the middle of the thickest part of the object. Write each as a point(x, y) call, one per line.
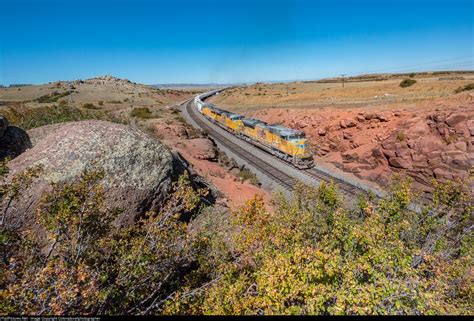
point(139, 171)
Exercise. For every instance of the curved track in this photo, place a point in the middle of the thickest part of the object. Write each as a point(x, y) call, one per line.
point(274, 170)
point(286, 181)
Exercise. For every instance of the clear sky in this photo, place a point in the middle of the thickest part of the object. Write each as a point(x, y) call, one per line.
point(202, 41)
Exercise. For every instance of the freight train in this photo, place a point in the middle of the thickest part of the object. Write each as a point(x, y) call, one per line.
point(285, 143)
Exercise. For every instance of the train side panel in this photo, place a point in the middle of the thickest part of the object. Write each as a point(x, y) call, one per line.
point(234, 125)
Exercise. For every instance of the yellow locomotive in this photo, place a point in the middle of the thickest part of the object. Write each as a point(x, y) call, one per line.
point(285, 143)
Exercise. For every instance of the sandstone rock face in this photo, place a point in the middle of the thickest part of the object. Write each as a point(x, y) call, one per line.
point(454, 119)
point(138, 170)
point(13, 140)
point(202, 148)
point(424, 143)
point(347, 123)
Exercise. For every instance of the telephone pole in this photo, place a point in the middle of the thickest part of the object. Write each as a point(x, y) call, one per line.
point(342, 80)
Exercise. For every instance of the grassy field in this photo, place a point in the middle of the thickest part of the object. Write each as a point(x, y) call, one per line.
point(319, 94)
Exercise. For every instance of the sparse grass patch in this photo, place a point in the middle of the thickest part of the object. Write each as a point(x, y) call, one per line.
point(141, 112)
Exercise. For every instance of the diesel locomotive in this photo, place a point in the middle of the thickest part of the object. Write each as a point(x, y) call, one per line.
point(285, 143)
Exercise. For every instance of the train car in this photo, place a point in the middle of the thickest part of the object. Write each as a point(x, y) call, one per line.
point(221, 116)
point(233, 122)
point(285, 143)
point(206, 110)
point(249, 128)
point(211, 111)
point(290, 145)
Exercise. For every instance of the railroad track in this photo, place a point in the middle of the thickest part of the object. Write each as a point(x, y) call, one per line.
point(278, 176)
point(272, 171)
point(344, 187)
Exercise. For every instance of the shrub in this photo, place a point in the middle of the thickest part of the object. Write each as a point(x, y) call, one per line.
point(28, 118)
point(141, 112)
point(246, 174)
point(407, 82)
point(91, 266)
point(311, 254)
point(101, 102)
point(53, 97)
point(464, 88)
point(180, 119)
point(89, 106)
point(401, 136)
point(411, 75)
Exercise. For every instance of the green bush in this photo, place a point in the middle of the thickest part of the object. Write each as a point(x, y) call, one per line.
point(245, 174)
point(141, 112)
point(407, 82)
point(465, 88)
point(28, 118)
point(53, 97)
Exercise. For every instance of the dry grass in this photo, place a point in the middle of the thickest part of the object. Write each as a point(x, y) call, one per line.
point(312, 94)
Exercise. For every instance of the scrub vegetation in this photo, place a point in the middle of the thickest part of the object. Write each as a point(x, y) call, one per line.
point(311, 254)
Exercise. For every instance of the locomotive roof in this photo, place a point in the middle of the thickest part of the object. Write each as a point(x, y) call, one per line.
point(218, 110)
point(251, 122)
point(235, 116)
point(284, 131)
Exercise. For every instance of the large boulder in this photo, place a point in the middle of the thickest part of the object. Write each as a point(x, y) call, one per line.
point(454, 119)
point(139, 171)
point(13, 140)
point(347, 123)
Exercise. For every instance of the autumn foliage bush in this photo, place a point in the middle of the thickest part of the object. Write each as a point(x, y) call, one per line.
point(87, 265)
point(312, 254)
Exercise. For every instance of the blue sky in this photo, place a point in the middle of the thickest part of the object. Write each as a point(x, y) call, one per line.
point(229, 41)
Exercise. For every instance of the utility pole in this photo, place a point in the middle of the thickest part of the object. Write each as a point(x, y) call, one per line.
point(287, 89)
point(342, 80)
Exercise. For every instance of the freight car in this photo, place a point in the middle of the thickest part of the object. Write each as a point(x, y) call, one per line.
point(285, 143)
